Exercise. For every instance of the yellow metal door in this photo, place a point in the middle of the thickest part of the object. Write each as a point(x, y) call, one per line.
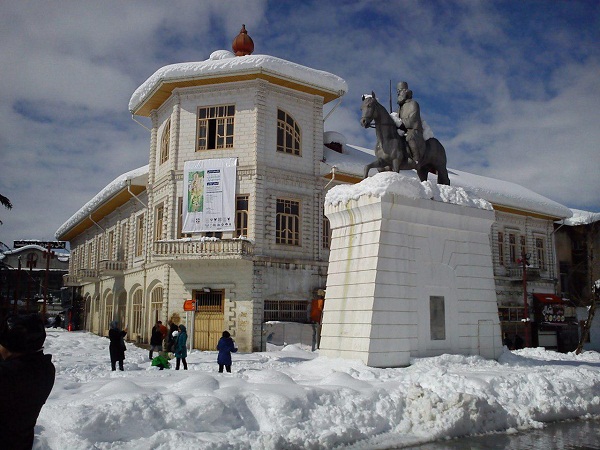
point(208, 320)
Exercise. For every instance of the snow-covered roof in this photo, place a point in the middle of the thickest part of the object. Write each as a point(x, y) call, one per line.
point(224, 63)
point(500, 193)
point(582, 218)
point(137, 177)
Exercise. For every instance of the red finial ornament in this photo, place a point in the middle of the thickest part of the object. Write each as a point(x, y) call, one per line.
point(243, 44)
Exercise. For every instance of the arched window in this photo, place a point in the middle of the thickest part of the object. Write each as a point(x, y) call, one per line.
point(156, 303)
point(109, 311)
point(164, 142)
point(122, 309)
point(288, 134)
point(136, 313)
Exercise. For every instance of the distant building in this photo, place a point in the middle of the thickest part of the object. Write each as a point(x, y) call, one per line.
point(133, 259)
point(578, 250)
point(23, 278)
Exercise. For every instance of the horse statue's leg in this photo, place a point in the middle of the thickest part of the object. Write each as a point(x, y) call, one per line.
point(370, 166)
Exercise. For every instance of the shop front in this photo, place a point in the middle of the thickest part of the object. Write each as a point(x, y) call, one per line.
point(555, 326)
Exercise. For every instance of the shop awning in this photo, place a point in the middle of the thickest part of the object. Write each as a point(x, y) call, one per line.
point(548, 298)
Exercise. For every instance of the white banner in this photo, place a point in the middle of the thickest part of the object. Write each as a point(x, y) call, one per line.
point(209, 195)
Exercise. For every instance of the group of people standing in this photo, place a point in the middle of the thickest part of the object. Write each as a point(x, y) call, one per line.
point(176, 343)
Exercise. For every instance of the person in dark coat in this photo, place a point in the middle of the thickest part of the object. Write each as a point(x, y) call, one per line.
point(26, 376)
point(226, 347)
point(117, 345)
point(181, 348)
point(172, 339)
point(156, 338)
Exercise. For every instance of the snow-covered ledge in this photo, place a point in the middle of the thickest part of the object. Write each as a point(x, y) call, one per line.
point(410, 273)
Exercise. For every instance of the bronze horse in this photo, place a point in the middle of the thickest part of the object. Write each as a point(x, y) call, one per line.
point(391, 150)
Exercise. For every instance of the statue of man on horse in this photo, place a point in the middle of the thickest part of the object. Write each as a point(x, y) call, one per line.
point(410, 114)
point(393, 150)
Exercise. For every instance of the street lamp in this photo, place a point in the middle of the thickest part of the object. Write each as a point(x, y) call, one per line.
point(525, 262)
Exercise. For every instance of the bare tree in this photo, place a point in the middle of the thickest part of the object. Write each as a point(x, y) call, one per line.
point(5, 202)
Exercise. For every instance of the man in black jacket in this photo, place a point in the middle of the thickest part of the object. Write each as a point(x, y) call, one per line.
point(26, 378)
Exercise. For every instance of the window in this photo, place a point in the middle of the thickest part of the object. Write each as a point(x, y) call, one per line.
point(500, 248)
point(156, 303)
point(512, 247)
point(523, 246)
point(287, 230)
point(241, 215)
point(288, 134)
point(122, 309)
point(326, 233)
point(215, 127)
point(540, 253)
point(139, 236)
point(437, 317)
point(136, 313)
point(286, 310)
point(180, 219)
point(110, 244)
point(89, 256)
point(109, 311)
point(164, 142)
point(159, 222)
point(98, 251)
point(123, 249)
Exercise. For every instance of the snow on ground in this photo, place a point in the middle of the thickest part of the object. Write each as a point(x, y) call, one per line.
point(293, 399)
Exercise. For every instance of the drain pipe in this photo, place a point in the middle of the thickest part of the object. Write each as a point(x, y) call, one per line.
point(332, 109)
point(333, 169)
point(133, 195)
point(140, 123)
point(95, 223)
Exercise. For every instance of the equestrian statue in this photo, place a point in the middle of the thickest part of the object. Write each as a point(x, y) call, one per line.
point(398, 152)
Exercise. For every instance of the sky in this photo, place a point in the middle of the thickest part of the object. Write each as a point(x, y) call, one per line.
point(293, 398)
point(510, 88)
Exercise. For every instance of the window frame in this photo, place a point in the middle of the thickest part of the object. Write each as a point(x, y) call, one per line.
point(165, 143)
point(215, 127)
point(289, 134)
point(241, 215)
point(283, 234)
point(159, 222)
point(139, 236)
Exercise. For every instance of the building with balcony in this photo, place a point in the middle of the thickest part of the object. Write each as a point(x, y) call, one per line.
point(134, 258)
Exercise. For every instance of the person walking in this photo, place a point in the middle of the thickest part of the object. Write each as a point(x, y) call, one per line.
point(156, 339)
point(226, 347)
point(181, 348)
point(26, 376)
point(117, 345)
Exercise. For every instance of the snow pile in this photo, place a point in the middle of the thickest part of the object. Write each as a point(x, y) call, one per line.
point(406, 186)
point(582, 218)
point(222, 63)
point(299, 400)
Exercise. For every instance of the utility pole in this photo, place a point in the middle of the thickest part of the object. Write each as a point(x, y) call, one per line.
point(525, 262)
point(48, 254)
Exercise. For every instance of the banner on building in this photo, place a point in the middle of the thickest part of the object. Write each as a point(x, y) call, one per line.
point(209, 195)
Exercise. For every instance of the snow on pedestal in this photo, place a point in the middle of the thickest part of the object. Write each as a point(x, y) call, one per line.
point(410, 273)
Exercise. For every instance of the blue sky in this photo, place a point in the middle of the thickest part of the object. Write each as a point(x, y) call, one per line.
point(511, 88)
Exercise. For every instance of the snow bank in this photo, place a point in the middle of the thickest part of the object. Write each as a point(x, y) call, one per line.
point(299, 400)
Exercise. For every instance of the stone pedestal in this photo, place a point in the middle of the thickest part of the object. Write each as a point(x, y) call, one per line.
point(409, 277)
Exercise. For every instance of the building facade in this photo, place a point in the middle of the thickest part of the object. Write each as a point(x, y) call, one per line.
point(132, 261)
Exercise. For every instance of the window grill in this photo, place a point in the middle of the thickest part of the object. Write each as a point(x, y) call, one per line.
point(209, 301)
point(286, 310)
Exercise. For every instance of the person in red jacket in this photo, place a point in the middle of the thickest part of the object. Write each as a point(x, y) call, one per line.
point(26, 376)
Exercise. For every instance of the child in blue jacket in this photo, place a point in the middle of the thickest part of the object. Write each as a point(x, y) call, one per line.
point(226, 347)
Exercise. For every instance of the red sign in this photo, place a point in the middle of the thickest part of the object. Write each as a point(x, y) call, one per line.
point(189, 305)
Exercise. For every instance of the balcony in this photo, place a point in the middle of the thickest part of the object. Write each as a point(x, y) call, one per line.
point(108, 268)
point(81, 277)
point(515, 273)
point(185, 250)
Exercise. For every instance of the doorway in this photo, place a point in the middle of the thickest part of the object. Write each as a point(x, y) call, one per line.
point(209, 318)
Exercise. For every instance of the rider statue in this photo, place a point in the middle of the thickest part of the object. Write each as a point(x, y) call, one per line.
point(409, 113)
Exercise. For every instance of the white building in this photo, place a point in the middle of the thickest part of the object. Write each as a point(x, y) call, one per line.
point(131, 260)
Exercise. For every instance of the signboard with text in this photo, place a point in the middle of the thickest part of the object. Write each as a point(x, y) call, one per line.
point(45, 244)
point(209, 195)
